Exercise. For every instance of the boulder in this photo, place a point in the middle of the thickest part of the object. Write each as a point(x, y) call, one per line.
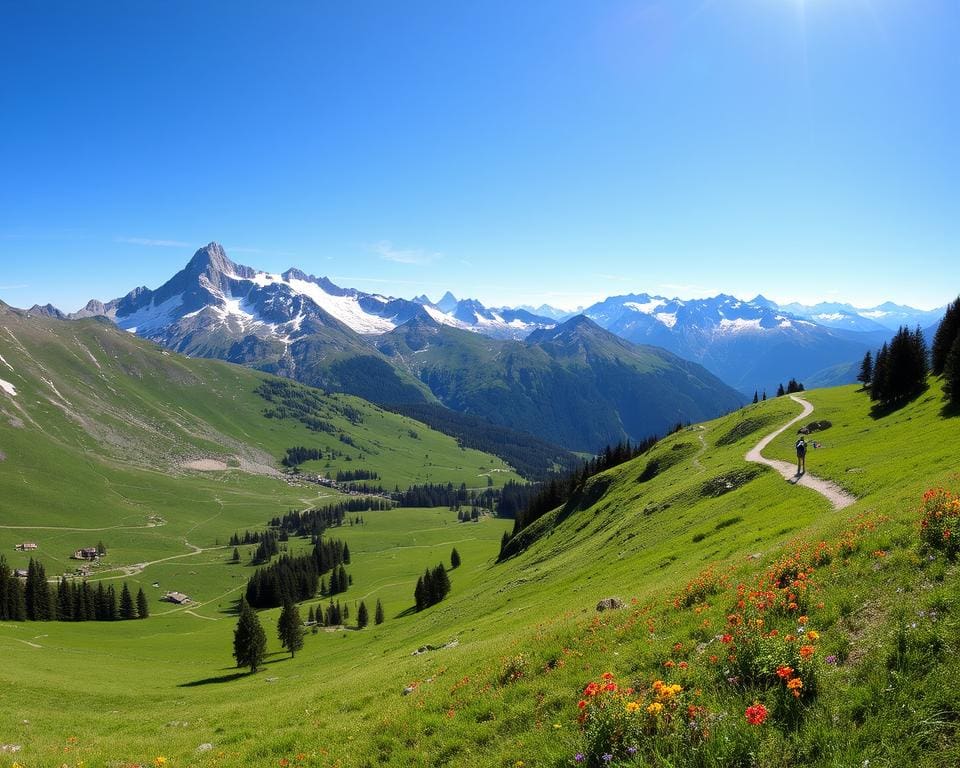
point(610, 604)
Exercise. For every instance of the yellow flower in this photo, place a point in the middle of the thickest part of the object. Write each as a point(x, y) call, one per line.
point(159, 760)
point(655, 708)
point(632, 707)
point(813, 635)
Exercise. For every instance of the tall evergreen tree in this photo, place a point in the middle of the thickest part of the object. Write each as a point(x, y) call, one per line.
point(127, 609)
point(143, 607)
point(236, 555)
point(943, 339)
point(249, 640)
point(780, 391)
point(454, 559)
point(113, 610)
point(756, 397)
point(764, 395)
point(37, 593)
point(362, 618)
point(951, 372)
point(64, 601)
point(290, 628)
point(866, 370)
point(378, 614)
point(420, 598)
point(880, 373)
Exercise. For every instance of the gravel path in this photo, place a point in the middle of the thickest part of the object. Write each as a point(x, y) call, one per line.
point(838, 497)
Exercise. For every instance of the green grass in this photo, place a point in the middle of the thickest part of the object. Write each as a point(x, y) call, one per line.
point(132, 691)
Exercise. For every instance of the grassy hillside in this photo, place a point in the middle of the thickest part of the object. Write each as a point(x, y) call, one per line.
point(674, 546)
point(103, 433)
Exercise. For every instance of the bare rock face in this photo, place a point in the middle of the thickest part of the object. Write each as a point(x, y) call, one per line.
point(610, 604)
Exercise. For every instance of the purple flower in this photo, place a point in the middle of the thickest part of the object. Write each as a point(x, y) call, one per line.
point(607, 757)
point(578, 758)
point(631, 750)
point(831, 659)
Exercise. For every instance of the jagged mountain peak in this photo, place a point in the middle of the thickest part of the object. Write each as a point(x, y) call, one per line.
point(448, 302)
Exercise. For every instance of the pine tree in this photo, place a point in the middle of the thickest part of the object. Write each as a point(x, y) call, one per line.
point(866, 370)
point(290, 628)
point(311, 616)
point(420, 595)
point(454, 559)
point(878, 385)
point(64, 601)
point(951, 372)
point(346, 554)
point(143, 607)
point(756, 397)
point(127, 610)
point(101, 549)
point(378, 614)
point(362, 618)
point(249, 640)
point(236, 555)
point(37, 593)
point(504, 541)
point(780, 391)
point(442, 581)
point(943, 339)
point(112, 609)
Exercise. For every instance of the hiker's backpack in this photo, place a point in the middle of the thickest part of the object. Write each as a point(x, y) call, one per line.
point(801, 446)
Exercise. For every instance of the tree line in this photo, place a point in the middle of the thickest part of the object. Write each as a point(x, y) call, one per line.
point(945, 354)
point(313, 522)
point(34, 599)
point(297, 578)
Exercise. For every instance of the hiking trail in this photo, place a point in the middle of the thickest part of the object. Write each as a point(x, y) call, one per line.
point(838, 497)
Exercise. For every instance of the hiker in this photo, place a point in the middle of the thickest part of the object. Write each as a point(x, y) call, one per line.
point(801, 456)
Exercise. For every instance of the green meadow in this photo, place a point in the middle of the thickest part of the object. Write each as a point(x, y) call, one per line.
point(672, 534)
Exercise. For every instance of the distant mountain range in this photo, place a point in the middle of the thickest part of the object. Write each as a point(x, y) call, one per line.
point(572, 383)
point(469, 357)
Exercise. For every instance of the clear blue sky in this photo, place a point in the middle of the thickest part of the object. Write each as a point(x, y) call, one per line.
point(511, 151)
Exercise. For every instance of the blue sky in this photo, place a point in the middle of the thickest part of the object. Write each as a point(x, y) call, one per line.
point(514, 152)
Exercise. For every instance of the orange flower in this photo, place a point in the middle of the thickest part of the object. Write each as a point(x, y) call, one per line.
point(802, 619)
point(581, 704)
point(607, 675)
point(784, 673)
point(806, 651)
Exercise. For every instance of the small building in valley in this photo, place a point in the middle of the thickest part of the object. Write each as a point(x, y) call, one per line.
point(86, 553)
point(26, 546)
point(176, 597)
point(20, 573)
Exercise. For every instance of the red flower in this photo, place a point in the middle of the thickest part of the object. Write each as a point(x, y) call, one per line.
point(581, 704)
point(756, 714)
point(726, 639)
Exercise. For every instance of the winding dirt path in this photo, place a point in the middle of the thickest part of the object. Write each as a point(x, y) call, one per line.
point(838, 497)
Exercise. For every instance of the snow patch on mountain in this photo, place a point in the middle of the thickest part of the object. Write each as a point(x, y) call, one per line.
point(6, 363)
point(739, 325)
point(648, 308)
point(7, 387)
point(153, 317)
point(669, 319)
